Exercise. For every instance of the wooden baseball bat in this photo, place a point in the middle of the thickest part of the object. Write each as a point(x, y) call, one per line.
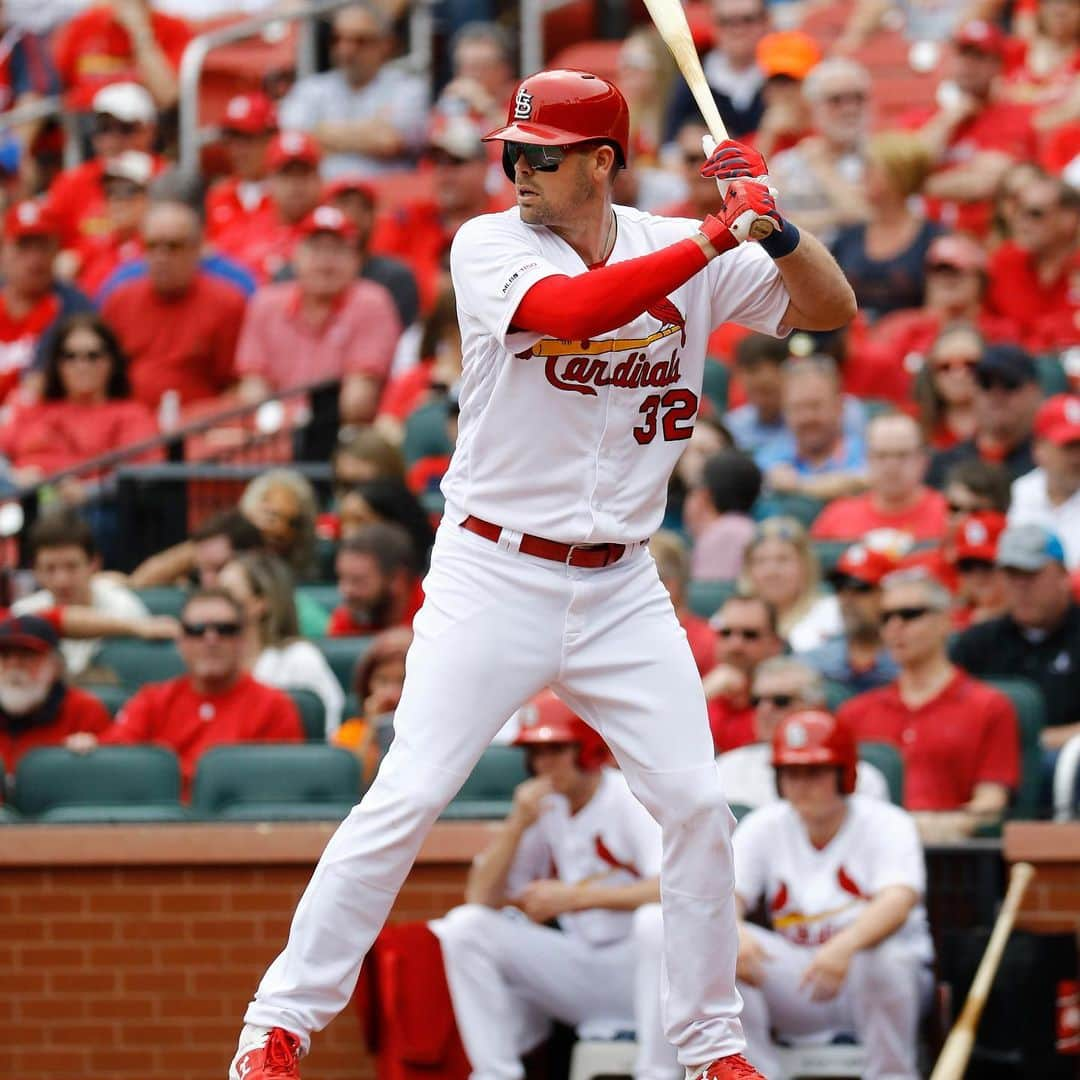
point(953, 1060)
point(670, 21)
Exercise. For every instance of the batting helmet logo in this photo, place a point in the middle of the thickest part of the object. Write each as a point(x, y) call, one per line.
point(815, 737)
point(523, 104)
point(547, 721)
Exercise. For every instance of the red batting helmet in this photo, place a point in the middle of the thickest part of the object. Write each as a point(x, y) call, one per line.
point(563, 107)
point(815, 737)
point(547, 720)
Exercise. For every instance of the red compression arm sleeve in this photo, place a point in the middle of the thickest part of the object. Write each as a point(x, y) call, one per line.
point(598, 301)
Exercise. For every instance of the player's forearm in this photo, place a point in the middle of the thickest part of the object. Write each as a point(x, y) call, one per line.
point(617, 897)
point(165, 567)
point(970, 183)
point(988, 803)
point(486, 883)
point(821, 298)
point(832, 485)
point(377, 138)
point(155, 70)
point(881, 918)
point(1054, 738)
point(359, 399)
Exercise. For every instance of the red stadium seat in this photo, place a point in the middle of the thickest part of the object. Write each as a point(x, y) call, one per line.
point(599, 57)
point(566, 25)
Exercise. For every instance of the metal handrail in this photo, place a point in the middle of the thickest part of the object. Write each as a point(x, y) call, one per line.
point(531, 52)
point(45, 109)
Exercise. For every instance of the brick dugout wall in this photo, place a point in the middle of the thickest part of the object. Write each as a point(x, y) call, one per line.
point(129, 953)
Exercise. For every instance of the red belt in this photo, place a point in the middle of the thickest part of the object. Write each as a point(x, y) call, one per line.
point(592, 556)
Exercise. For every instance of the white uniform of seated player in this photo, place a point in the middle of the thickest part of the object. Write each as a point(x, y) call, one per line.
point(842, 879)
point(781, 685)
point(578, 849)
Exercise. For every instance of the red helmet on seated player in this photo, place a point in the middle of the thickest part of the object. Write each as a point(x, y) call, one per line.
point(815, 737)
point(546, 721)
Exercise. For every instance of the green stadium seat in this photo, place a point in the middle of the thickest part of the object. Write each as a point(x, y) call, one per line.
point(1030, 708)
point(311, 615)
point(801, 507)
point(341, 654)
point(705, 597)
point(325, 553)
point(286, 811)
point(9, 816)
point(114, 814)
point(425, 433)
point(887, 758)
point(876, 406)
point(740, 810)
point(112, 697)
point(489, 790)
point(134, 781)
point(163, 599)
point(714, 385)
point(828, 553)
point(836, 693)
point(312, 714)
point(1053, 379)
point(274, 774)
point(325, 594)
point(135, 662)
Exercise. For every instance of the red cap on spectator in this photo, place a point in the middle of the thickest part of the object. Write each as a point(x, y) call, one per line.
point(865, 564)
point(956, 250)
point(30, 218)
point(290, 147)
point(979, 34)
point(1058, 419)
point(977, 536)
point(345, 184)
point(328, 219)
point(250, 114)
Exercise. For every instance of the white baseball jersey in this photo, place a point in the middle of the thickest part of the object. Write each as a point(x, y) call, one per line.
point(611, 840)
point(810, 894)
point(575, 440)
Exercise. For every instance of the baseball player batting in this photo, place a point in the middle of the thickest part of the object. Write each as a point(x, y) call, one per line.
point(583, 331)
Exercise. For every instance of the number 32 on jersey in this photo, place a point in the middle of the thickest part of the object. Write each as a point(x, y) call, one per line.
point(671, 413)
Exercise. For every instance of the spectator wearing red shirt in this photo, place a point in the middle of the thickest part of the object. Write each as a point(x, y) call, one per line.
point(378, 582)
point(420, 232)
point(958, 737)
point(32, 301)
point(179, 325)
point(241, 199)
point(216, 702)
point(265, 242)
point(975, 136)
point(37, 707)
point(673, 565)
point(85, 410)
point(896, 462)
point(747, 635)
point(1035, 276)
point(124, 119)
point(325, 325)
point(122, 41)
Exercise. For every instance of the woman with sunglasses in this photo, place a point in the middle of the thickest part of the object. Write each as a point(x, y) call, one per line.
point(86, 408)
point(945, 386)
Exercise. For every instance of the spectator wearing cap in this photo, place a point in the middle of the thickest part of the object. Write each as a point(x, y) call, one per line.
point(1038, 637)
point(717, 515)
point(731, 68)
point(242, 198)
point(746, 636)
point(266, 245)
point(215, 702)
point(179, 324)
point(367, 116)
point(1006, 400)
point(32, 299)
point(896, 462)
point(1049, 495)
point(972, 551)
point(328, 324)
point(701, 195)
point(856, 659)
point(37, 706)
point(816, 457)
point(125, 41)
point(126, 183)
point(974, 136)
point(782, 685)
point(786, 57)
point(957, 736)
point(1033, 275)
point(378, 581)
point(821, 176)
point(420, 232)
point(672, 560)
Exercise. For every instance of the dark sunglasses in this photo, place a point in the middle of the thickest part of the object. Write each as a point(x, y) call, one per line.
point(746, 633)
point(962, 508)
point(538, 158)
point(171, 247)
point(987, 381)
point(107, 125)
point(363, 40)
point(779, 701)
point(739, 20)
point(945, 364)
point(968, 566)
point(201, 629)
point(843, 583)
point(943, 268)
point(91, 356)
point(1036, 213)
point(904, 614)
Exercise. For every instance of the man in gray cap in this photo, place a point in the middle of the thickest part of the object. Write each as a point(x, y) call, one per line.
point(1038, 637)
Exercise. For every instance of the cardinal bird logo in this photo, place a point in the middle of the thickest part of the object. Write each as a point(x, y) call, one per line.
point(779, 901)
point(668, 315)
point(848, 885)
point(605, 854)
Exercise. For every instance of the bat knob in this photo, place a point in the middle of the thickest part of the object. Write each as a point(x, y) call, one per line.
point(761, 229)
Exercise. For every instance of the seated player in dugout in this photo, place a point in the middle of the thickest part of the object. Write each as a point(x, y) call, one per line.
point(842, 879)
point(562, 917)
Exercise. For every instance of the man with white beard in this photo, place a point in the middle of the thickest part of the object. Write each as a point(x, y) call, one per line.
point(37, 707)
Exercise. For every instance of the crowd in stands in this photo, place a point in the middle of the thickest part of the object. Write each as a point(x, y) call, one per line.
point(879, 519)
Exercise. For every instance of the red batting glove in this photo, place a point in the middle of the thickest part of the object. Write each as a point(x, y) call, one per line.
point(746, 201)
point(733, 161)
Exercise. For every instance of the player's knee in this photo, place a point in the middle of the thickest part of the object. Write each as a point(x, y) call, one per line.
point(469, 924)
point(649, 928)
point(883, 971)
point(694, 803)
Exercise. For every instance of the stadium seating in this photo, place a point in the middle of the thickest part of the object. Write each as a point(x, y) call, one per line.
point(705, 597)
point(801, 507)
point(828, 553)
point(113, 783)
point(163, 599)
point(886, 758)
point(425, 433)
point(836, 693)
point(715, 384)
point(488, 791)
point(325, 594)
point(9, 816)
point(136, 662)
point(342, 654)
point(112, 697)
point(312, 714)
point(1030, 708)
point(259, 781)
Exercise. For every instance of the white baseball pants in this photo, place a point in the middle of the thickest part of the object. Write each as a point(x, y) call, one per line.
point(495, 629)
point(509, 978)
point(882, 998)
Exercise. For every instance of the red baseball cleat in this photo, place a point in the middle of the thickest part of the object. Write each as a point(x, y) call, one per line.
point(734, 1067)
point(273, 1055)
